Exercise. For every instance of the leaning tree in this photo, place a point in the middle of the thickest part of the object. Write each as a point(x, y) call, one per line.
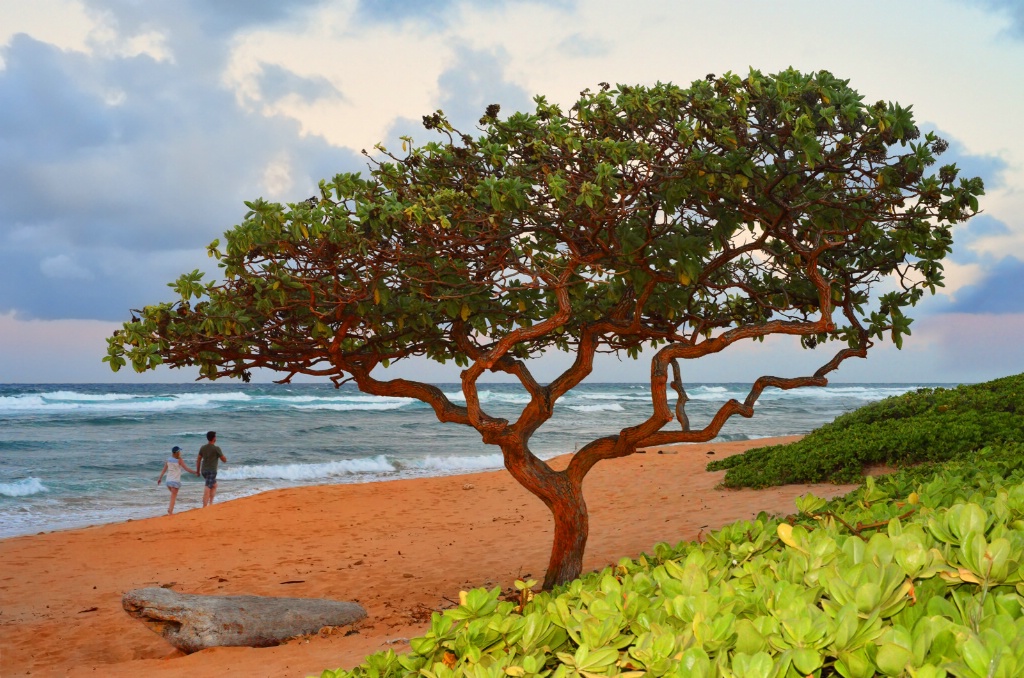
point(675, 220)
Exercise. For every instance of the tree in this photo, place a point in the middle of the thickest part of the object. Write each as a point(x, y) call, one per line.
point(678, 220)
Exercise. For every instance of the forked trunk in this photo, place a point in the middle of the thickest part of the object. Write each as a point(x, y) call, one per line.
point(564, 497)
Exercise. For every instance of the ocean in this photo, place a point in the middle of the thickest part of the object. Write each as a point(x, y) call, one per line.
point(76, 455)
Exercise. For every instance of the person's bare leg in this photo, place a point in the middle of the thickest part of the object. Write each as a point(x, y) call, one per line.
point(174, 495)
point(213, 492)
point(207, 496)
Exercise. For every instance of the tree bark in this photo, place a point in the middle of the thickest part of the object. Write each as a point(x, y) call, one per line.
point(572, 527)
point(562, 493)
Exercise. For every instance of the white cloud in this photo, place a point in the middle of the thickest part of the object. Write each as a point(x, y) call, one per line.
point(71, 26)
point(277, 179)
point(114, 97)
point(959, 275)
point(149, 43)
point(998, 246)
point(382, 72)
point(63, 266)
point(62, 23)
point(1007, 205)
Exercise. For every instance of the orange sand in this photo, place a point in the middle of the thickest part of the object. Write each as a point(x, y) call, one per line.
point(400, 548)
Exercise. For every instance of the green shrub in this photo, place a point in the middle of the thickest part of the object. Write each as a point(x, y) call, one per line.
point(920, 573)
point(928, 425)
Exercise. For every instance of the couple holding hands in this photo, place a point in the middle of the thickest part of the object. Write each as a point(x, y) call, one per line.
point(206, 465)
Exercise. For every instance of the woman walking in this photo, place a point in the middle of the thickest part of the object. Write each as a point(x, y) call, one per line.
point(172, 467)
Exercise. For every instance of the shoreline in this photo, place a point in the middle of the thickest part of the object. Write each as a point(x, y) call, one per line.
point(191, 493)
point(401, 548)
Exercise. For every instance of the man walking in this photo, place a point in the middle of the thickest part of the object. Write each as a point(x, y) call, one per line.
point(206, 462)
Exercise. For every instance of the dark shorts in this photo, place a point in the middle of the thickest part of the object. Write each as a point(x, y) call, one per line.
point(211, 478)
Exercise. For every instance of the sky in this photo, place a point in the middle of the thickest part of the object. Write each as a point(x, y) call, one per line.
point(131, 132)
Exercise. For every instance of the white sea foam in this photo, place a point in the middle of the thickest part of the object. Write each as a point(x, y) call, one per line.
point(379, 464)
point(347, 398)
point(65, 401)
point(21, 402)
point(85, 397)
point(307, 472)
point(455, 463)
point(120, 403)
point(486, 396)
point(205, 398)
point(711, 389)
point(354, 407)
point(608, 396)
point(719, 395)
point(22, 488)
point(866, 393)
point(291, 400)
point(516, 397)
point(740, 391)
point(609, 407)
point(520, 398)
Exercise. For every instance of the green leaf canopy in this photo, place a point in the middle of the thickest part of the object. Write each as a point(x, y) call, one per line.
point(644, 215)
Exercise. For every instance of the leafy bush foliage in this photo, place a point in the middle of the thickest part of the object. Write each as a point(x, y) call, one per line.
point(918, 573)
point(928, 425)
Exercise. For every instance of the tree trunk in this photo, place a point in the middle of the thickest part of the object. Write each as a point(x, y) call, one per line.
point(572, 526)
point(562, 493)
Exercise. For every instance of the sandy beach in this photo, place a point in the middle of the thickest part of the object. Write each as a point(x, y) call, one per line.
point(400, 548)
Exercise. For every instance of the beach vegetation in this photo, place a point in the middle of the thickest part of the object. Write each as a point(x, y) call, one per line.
point(927, 425)
point(677, 221)
point(919, 573)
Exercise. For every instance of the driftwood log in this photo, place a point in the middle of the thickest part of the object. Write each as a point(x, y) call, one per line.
point(195, 622)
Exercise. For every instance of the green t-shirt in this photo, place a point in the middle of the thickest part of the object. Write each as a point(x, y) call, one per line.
point(210, 456)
